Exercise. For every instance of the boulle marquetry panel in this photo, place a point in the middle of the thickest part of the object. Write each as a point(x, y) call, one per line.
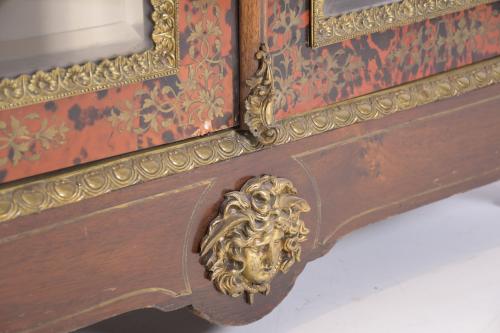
point(308, 78)
point(71, 131)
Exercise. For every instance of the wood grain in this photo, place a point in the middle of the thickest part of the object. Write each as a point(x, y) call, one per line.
point(250, 37)
point(72, 266)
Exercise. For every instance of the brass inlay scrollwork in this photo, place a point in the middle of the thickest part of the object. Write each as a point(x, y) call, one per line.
point(161, 60)
point(259, 104)
point(330, 30)
point(257, 234)
point(88, 181)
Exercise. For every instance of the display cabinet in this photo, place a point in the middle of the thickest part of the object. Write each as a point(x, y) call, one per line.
point(199, 153)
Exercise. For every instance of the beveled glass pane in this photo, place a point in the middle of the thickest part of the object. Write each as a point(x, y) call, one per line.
point(44, 34)
point(338, 7)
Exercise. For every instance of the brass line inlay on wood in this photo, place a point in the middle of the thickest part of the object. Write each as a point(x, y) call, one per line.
point(327, 30)
point(31, 196)
point(400, 202)
point(204, 186)
point(161, 60)
point(299, 158)
point(104, 304)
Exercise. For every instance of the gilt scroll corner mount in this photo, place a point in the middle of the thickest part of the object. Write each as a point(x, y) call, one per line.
point(259, 117)
point(257, 234)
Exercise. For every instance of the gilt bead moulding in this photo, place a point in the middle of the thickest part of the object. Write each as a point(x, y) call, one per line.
point(160, 60)
point(196, 100)
point(92, 180)
point(337, 20)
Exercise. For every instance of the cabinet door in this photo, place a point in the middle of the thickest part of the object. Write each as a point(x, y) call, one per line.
point(84, 80)
point(324, 53)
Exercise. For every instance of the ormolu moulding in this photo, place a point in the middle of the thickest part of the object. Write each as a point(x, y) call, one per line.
point(161, 60)
point(327, 30)
point(88, 181)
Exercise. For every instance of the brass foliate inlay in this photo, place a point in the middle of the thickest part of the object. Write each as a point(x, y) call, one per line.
point(257, 234)
point(259, 104)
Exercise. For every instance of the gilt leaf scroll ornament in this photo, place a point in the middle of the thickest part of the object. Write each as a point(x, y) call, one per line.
point(259, 104)
point(257, 234)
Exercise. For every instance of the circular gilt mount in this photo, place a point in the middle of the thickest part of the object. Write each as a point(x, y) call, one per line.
point(257, 235)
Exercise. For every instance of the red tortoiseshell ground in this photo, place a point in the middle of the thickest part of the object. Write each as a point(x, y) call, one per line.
point(201, 98)
point(308, 78)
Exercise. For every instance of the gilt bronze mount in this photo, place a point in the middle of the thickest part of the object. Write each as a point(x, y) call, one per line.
point(257, 234)
point(259, 104)
point(326, 30)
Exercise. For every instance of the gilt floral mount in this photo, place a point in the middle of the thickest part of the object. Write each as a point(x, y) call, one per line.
point(257, 234)
point(333, 29)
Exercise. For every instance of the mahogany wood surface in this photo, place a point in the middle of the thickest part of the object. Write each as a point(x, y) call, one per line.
point(138, 247)
point(250, 38)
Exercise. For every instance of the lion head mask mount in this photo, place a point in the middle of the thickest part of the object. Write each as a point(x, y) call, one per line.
point(257, 234)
